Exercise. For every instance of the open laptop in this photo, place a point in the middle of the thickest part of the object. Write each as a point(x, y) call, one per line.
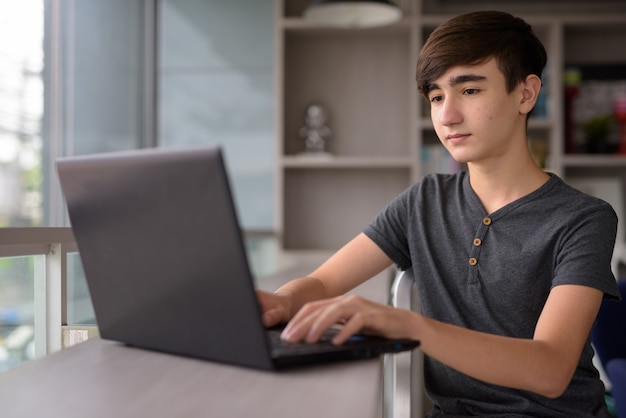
point(165, 261)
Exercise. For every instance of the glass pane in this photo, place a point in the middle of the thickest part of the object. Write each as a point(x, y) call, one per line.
point(16, 311)
point(217, 86)
point(102, 91)
point(103, 73)
point(79, 307)
point(21, 112)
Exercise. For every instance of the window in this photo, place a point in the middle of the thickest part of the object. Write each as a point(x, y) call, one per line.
point(21, 193)
point(80, 77)
point(16, 311)
point(216, 86)
point(21, 112)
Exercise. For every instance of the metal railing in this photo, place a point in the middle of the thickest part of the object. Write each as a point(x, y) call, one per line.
point(403, 384)
point(50, 247)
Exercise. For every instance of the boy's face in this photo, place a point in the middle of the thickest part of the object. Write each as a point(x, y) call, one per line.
point(474, 116)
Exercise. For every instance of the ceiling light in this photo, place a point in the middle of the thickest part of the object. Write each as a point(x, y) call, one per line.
point(352, 13)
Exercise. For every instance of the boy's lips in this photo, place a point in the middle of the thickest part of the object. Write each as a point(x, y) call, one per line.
point(457, 138)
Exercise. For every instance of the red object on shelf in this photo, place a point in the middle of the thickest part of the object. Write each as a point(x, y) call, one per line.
point(571, 80)
point(619, 111)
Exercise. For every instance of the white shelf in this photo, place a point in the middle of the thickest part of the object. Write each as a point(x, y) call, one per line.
point(533, 123)
point(306, 161)
point(592, 20)
point(591, 160)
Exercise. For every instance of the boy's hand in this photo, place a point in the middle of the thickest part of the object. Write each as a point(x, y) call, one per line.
point(357, 315)
point(275, 308)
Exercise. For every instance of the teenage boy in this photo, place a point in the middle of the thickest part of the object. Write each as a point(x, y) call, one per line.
point(510, 263)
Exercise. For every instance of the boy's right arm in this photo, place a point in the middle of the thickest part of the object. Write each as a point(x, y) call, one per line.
point(356, 262)
point(279, 308)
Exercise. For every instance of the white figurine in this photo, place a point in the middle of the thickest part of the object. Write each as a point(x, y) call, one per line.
point(315, 132)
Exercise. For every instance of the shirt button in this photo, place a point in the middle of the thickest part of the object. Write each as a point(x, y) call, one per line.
point(487, 221)
point(473, 261)
point(477, 242)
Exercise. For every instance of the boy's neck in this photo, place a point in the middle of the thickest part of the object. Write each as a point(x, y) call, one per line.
point(501, 183)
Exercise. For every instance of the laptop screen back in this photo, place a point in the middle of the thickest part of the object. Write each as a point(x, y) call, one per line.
point(163, 255)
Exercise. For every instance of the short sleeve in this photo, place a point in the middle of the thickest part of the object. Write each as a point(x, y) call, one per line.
point(585, 252)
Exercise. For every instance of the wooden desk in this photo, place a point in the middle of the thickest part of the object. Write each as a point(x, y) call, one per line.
point(101, 378)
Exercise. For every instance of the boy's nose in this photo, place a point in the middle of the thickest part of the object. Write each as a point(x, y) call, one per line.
point(449, 113)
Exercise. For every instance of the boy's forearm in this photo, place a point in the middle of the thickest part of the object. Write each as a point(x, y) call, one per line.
point(301, 291)
point(519, 363)
point(544, 364)
point(357, 261)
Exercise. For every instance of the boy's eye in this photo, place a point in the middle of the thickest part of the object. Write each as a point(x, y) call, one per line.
point(470, 92)
point(435, 99)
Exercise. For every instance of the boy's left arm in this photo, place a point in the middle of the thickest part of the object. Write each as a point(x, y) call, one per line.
point(544, 364)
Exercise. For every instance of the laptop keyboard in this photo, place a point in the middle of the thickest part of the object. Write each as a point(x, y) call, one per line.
point(280, 347)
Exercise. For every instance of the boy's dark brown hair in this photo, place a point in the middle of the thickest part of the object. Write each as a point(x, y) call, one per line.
point(476, 37)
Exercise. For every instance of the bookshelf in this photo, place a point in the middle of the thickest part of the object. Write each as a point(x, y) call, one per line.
point(382, 137)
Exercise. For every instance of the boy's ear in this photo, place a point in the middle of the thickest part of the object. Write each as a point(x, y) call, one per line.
point(530, 91)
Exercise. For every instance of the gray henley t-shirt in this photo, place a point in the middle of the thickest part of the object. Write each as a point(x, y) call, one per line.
point(492, 272)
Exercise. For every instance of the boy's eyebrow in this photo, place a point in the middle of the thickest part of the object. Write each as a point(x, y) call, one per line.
point(453, 81)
